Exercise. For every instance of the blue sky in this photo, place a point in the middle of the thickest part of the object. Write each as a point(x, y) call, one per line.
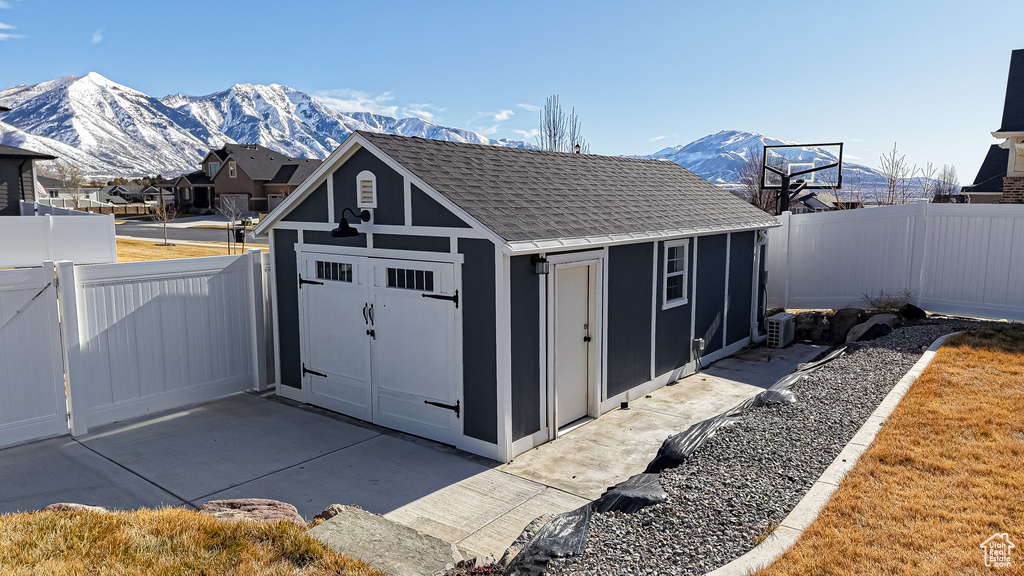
point(641, 75)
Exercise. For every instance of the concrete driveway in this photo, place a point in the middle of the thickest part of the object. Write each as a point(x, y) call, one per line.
point(255, 447)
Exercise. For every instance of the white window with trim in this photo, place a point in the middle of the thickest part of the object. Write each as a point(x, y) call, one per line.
point(232, 169)
point(212, 168)
point(186, 194)
point(366, 189)
point(675, 267)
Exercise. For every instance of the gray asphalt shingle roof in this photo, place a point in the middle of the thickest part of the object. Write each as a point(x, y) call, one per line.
point(526, 195)
point(11, 151)
point(262, 163)
point(1013, 106)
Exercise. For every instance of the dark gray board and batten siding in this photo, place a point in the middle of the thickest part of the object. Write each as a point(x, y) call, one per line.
point(672, 326)
point(390, 208)
point(629, 316)
point(479, 344)
point(524, 293)
point(710, 291)
point(741, 286)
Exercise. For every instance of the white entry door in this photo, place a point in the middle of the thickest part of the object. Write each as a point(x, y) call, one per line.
point(335, 340)
point(414, 349)
point(574, 341)
point(380, 341)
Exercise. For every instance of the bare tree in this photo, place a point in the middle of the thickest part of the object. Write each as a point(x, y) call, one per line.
point(71, 180)
point(232, 210)
point(946, 183)
point(751, 174)
point(927, 179)
point(164, 211)
point(558, 132)
point(898, 187)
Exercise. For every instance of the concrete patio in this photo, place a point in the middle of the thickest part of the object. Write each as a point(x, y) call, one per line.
point(250, 446)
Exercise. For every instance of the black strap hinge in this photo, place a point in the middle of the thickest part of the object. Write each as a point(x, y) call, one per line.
point(454, 298)
point(454, 408)
point(313, 372)
point(304, 281)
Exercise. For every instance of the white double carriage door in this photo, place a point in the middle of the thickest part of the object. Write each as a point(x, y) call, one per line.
point(379, 341)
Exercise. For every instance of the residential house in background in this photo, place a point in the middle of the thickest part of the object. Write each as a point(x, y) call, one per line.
point(1001, 177)
point(17, 176)
point(249, 176)
point(506, 295)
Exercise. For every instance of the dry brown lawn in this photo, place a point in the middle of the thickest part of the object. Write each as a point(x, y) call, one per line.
point(139, 251)
point(944, 473)
point(170, 541)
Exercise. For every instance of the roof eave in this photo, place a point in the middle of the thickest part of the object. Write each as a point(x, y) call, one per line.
point(1008, 134)
point(523, 247)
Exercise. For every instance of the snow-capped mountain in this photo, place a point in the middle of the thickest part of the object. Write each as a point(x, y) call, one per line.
point(119, 131)
point(718, 158)
point(111, 130)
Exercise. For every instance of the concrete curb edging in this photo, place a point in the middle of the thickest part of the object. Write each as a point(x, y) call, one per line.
point(807, 510)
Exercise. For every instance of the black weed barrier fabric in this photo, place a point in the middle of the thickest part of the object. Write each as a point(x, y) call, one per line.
point(566, 533)
point(679, 447)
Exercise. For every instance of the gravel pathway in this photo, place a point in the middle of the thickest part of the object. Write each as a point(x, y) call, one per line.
point(747, 477)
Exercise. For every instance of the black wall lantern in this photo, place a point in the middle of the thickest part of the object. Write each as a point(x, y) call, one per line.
point(540, 264)
point(344, 230)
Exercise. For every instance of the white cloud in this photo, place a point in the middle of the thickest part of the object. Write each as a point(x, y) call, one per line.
point(503, 115)
point(97, 36)
point(6, 26)
point(487, 130)
point(5, 5)
point(9, 36)
point(656, 138)
point(346, 100)
point(528, 134)
point(529, 107)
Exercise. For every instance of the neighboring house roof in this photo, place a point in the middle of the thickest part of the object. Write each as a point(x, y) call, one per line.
point(819, 200)
point(198, 178)
point(262, 163)
point(524, 195)
point(50, 183)
point(1013, 106)
point(993, 169)
point(11, 151)
point(294, 174)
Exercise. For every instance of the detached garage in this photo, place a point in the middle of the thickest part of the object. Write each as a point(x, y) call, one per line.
point(493, 298)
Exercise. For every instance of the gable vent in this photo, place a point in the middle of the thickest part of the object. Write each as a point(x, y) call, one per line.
point(366, 189)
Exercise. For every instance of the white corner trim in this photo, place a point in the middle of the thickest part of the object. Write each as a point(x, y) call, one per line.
point(807, 510)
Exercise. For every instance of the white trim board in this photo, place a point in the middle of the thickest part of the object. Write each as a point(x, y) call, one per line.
point(414, 255)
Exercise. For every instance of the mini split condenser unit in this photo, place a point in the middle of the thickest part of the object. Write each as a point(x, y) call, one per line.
point(781, 329)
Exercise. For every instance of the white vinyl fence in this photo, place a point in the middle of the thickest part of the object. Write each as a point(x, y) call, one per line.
point(32, 402)
point(57, 207)
point(950, 258)
point(28, 240)
point(137, 338)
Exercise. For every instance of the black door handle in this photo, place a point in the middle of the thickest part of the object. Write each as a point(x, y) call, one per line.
point(366, 319)
point(371, 314)
point(371, 334)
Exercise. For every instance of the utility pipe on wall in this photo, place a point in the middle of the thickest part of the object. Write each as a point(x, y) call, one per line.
point(760, 239)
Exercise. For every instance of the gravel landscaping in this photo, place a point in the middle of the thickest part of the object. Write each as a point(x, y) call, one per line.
point(741, 484)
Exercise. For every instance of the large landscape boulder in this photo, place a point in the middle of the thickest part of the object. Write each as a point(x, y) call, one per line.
point(858, 332)
point(912, 313)
point(812, 326)
point(387, 546)
point(842, 321)
point(72, 507)
point(255, 509)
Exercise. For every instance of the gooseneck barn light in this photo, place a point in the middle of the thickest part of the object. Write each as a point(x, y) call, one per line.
point(344, 230)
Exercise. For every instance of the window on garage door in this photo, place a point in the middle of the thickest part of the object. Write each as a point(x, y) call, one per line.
point(336, 271)
point(411, 279)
